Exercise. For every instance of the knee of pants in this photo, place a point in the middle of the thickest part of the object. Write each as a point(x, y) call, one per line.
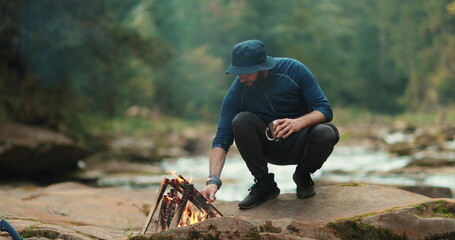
point(241, 120)
point(325, 134)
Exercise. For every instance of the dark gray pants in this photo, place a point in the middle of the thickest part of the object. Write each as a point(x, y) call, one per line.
point(308, 149)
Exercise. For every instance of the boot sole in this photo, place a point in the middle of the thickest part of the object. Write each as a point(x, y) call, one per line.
point(243, 207)
point(302, 196)
point(306, 196)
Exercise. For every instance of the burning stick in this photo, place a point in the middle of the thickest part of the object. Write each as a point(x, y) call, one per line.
point(178, 215)
point(159, 196)
point(169, 203)
point(169, 215)
point(197, 199)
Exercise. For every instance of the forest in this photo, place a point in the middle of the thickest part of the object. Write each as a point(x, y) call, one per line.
point(63, 63)
point(102, 100)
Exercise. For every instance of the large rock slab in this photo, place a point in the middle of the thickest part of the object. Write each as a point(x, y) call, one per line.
point(74, 204)
point(434, 219)
point(75, 211)
point(413, 226)
point(329, 203)
point(30, 150)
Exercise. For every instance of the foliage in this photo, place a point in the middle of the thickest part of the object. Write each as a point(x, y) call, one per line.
point(99, 58)
point(63, 58)
point(442, 236)
point(437, 208)
point(350, 229)
point(152, 237)
point(29, 231)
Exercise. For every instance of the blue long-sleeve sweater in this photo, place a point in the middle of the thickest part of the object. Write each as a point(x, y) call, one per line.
point(289, 91)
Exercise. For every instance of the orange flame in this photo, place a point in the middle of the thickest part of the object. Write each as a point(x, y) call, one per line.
point(178, 177)
point(191, 216)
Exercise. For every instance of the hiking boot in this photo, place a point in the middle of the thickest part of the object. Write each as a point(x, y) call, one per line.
point(305, 185)
point(260, 192)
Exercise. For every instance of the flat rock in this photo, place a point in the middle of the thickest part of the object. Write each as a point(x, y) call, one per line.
point(415, 227)
point(101, 213)
point(27, 151)
point(329, 203)
point(30, 136)
point(75, 211)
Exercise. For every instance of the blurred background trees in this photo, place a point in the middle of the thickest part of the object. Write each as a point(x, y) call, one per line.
point(60, 60)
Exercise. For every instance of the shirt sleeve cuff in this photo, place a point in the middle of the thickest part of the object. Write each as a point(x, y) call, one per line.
point(223, 146)
point(327, 114)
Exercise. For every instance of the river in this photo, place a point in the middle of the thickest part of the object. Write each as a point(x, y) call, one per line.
point(346, 164)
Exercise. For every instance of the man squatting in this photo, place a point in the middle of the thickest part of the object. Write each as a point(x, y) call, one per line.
point(270, 89)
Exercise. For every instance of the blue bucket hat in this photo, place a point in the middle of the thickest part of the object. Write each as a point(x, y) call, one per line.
point(250, 57)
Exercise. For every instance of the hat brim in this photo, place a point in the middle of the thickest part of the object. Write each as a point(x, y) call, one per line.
point(267, 65)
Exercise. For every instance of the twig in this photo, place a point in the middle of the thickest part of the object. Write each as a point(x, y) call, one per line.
point(140, 209)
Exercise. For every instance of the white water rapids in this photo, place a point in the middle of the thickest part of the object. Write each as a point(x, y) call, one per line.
point(346, 164)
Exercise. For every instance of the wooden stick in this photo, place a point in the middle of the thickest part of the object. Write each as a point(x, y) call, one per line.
point(201, 203)
point(159, 196)
point(178, 213)
point(162, 222)
point(169, 216)
point(196, 198)
point(171, 208)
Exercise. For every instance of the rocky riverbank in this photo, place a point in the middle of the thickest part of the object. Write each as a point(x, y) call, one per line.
point(33, 151)
point(73, 211)
point(29, 150)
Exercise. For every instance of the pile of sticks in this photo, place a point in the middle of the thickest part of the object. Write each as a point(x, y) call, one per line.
point(174, 203)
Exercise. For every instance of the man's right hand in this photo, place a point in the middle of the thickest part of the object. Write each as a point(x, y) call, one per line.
point(209, 192)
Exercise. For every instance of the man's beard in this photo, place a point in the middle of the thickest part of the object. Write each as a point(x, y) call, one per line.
point(260, 77)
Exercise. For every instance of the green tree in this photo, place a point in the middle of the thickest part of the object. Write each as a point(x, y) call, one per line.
point(420, 37)
point(101, 57)
point(74, 58)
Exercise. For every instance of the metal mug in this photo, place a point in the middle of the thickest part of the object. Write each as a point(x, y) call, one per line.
point(270, 129)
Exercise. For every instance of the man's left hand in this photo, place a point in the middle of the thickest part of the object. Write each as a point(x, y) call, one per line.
point(285, 127)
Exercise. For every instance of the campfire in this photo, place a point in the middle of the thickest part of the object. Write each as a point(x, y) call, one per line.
point(181, 206)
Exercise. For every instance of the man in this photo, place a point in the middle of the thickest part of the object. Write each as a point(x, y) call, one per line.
point(279, 90)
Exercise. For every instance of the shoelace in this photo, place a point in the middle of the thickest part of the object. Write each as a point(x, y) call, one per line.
point(254, 187)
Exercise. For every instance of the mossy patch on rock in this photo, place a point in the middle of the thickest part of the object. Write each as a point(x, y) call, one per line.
point(436, 209)
point(253, 234)
point(29, 232)
point(430, 220)
point(36, 232)
point(354, 229)
point(443, 236)
point(153, 237)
